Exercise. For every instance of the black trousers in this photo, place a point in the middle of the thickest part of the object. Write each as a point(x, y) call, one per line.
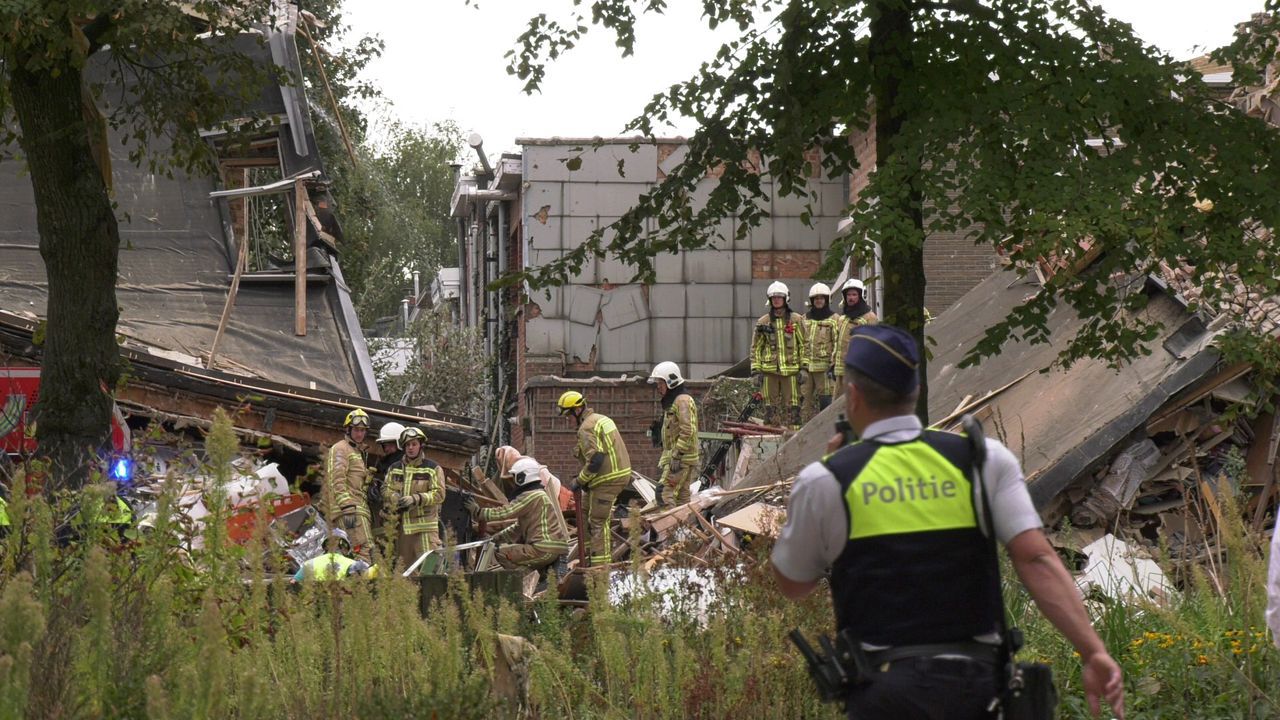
point(926, 688)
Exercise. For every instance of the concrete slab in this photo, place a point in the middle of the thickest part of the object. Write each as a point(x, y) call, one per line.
point(618, 164)
point(710, 340)
point(834, 199)
point(708, 266)
point(627, 347)
point(792, 206)
point(544, 336)
point(624, 306)
point(742, 266)
point(667, 300)
point(582, 340)
point(668, 336)
point(539, 195)
point(702, 371)
point(668, 268)
point(790, 233)
point(547, 163)
point(548, 301)
point(582, 304)
point(543, 236)
point(710, 300)
point(596, 199)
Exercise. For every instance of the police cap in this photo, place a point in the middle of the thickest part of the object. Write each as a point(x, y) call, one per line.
point(887, 355)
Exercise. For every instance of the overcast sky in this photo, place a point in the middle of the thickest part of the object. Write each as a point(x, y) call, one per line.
point(444, 60)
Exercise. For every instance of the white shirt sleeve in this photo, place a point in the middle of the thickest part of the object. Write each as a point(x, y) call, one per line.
point(816, 528)
point(1273, 587)
point(1011, 504)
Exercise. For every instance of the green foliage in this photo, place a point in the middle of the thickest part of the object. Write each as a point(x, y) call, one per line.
point(101, 629)
point(394, 208)
point(445, 366)
point(1030, 126)
point(177, 83)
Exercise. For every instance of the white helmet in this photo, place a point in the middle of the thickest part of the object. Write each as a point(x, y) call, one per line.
point(853, 284)
point(526, 471)
point(777, 287)
point(819, 289)
point(668, 372)
point(390, 432)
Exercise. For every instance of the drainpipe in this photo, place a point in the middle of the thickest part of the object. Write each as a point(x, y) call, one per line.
point(503, 340)
point(417, 288)
point(404, 311)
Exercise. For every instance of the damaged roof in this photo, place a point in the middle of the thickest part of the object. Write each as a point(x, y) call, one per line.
point(177, 256)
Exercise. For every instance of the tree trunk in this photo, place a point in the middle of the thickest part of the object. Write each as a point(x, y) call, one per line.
point(80, 243)
point(890, 51)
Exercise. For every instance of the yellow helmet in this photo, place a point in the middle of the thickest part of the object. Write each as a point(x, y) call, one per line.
point(571, 400)
point(356, 418)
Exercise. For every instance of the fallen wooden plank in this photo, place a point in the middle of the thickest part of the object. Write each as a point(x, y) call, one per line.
point(1222, 377)
point(756, 519)
point(958, 412)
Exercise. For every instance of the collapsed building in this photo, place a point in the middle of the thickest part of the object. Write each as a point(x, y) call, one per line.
point(230, 289)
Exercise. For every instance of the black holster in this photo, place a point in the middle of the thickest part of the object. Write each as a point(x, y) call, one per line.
point(1030, 693)
point(838, 669)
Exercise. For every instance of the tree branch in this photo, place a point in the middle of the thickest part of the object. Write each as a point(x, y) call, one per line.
point(96, 28)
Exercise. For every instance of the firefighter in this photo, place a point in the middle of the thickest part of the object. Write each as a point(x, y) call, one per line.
point(681, 450)
point(346, 472)
point(606, 470)
point(388, 441)
point(855, 312)
point(336, 563)
point(821, 327)
point(414, 490)
point(778, 357)
point(538, 537)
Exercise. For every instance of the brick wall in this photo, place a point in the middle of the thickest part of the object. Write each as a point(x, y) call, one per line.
point(953, 265)
point(633, 406)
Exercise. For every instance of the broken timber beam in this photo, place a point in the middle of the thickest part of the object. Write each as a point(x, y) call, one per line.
point(299, 258)
point(242, 263)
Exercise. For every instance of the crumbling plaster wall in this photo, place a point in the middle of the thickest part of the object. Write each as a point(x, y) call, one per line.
point(699, 311)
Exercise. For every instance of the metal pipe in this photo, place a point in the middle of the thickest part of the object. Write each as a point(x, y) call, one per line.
point(499, 366)
point(477, 143)
point(462, 271)
point(404, 309)
point(417, 289)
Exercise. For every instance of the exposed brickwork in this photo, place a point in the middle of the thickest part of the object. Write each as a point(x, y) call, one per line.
point(770, 264)
point(633, 406)
point(953, 265)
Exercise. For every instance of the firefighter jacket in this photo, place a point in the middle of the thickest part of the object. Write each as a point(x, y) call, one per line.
point(345, 475)
point(537, 522)
point(844, 330)
point(422, 480)
point(778, 344)
point(599, 434)
point(679, 429)
point(820, 342)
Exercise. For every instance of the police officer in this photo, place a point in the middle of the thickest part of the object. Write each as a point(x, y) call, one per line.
point(914, 576)
point(606, 470)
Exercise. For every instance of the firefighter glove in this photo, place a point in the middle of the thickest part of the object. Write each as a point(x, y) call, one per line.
point(473, 507)
point(804, 376)
point(757, 379)
point(676, 466)
point(405, 502)
point(349, 521)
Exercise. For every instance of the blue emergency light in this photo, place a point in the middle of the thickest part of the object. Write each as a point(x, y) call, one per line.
point(122, 469)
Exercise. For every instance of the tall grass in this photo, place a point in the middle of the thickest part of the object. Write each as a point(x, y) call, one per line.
point(93, 627)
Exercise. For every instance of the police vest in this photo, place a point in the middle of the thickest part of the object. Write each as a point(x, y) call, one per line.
point(916, 569)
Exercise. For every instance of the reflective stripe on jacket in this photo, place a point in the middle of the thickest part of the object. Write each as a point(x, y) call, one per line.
point(845, 328)
point(778, 344)
point(537, 523)
point(820, 341)
point(680, 431)
point(344, 479)
point(599, 434)
point(422, 481)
